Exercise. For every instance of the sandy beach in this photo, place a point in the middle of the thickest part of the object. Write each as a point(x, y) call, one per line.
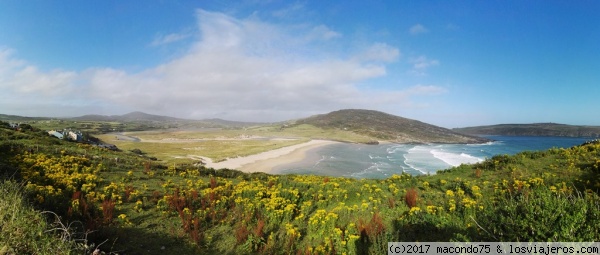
point(266, 161)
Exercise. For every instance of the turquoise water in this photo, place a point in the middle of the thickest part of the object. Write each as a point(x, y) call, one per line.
point(382, 161)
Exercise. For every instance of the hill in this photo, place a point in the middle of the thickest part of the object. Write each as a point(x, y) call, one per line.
point(535, 129)
point(383, 126)
point(6, 117)
point(145, 117)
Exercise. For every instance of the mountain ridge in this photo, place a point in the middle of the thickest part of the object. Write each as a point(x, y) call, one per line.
point(132, 116)
point(9, 117)
point(146, 117)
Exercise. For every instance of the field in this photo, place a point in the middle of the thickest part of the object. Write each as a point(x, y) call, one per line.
point(132, 205)
point(183, 146)
point(94, 127)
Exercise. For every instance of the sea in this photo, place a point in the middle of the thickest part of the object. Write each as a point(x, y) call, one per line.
point(384, 160)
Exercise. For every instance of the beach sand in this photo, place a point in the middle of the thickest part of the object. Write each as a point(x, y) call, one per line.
point(267, 161)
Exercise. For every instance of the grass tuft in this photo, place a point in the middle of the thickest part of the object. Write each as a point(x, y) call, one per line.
point(24, 230)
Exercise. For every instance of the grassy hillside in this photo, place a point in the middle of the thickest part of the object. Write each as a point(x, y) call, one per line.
point(385, 126)
point(92, 127)
point(139, 207)
point(536, 129)
point(134, 121)
point(25, 230)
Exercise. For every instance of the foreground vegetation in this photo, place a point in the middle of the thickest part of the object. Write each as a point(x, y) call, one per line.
point(27, 231)
point(134, 206)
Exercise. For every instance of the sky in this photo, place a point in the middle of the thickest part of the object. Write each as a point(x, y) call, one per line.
point(448, 63)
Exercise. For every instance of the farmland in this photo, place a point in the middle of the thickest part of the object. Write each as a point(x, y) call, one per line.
point(179, 146)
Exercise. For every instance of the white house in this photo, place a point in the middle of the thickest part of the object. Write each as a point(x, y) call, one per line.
point(56, 134)
point(75, 136)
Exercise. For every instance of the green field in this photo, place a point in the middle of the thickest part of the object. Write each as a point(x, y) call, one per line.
point(132, 205)
point(92, 127)
point(175, 146)
point(278, 131)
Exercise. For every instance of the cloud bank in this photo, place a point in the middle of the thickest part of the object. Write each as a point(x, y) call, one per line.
point(240, 69)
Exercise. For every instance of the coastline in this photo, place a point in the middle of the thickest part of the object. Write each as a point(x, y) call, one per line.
point(267, 161)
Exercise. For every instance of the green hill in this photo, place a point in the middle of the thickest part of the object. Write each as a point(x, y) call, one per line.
point(536, 129)
point(120, 202)
point(15, 118)
point(383, 126)
point(141, 117)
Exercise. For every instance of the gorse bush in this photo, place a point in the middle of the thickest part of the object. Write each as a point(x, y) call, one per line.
point(542, 213)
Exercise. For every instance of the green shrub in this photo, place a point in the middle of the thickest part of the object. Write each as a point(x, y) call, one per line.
point(541, 214)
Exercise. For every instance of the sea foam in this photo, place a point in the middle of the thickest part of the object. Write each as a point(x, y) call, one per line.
point(455, 159)
point(417, 158)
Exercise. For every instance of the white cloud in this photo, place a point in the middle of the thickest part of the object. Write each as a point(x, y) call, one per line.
point(380, 52)
point(245, 64)
point(167, 39)
point(291, 10)
point(418, 29)
point(242, 69)
point(421, 64)
point(26, 90)
point(18, 76)
point(322, 32)
point(8, 63)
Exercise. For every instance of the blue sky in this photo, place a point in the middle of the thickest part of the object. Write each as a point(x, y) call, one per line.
point(449, 63)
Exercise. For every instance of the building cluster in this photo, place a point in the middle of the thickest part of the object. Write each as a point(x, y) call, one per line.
point(67, 134)
point(19, 126)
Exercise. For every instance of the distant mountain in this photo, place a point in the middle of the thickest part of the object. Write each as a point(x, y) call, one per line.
point(140, 116)
point(231, 123)
point(535, 129)
point(132, 116)
point(6, 117)
point(383, 126)
point(145, 117)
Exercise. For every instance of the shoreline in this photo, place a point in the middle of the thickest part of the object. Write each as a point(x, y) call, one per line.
point(268, 160)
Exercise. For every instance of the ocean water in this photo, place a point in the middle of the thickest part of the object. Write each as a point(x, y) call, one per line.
point(382, 161)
